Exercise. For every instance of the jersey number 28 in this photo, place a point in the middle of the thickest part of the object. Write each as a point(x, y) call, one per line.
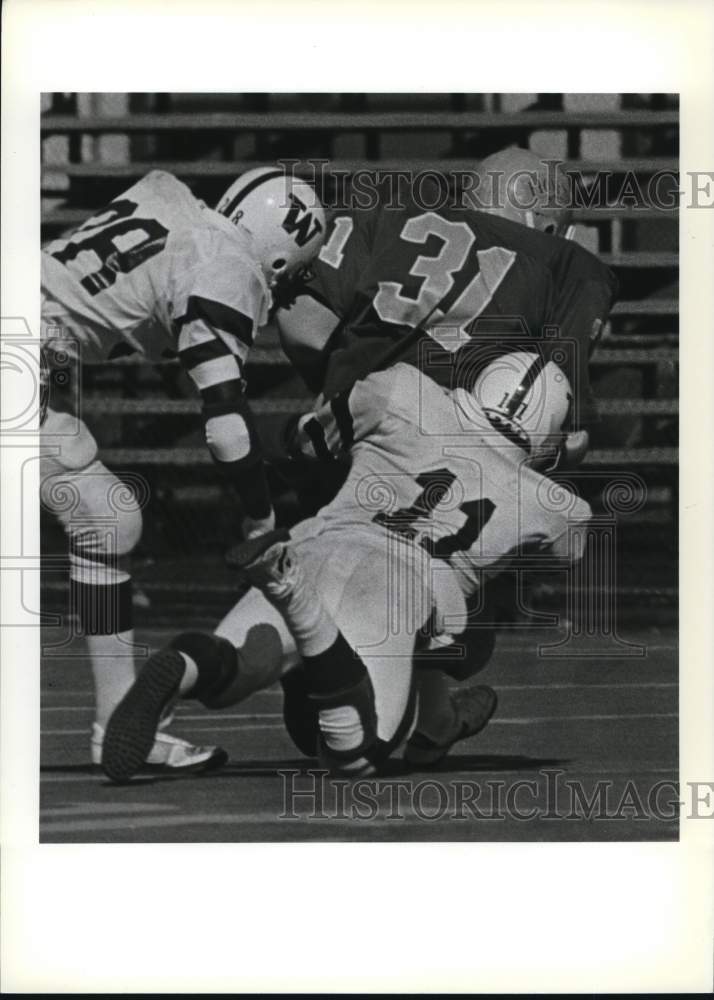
point(116, 240)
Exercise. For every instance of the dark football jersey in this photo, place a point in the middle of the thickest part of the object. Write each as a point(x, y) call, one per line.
point(448, 289)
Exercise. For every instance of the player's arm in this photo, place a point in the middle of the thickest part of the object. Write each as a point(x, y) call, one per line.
point(584, 293)
point(336, 425)
point(312, 317)
point(306, 325)
point(375, 332)
point(215, 329)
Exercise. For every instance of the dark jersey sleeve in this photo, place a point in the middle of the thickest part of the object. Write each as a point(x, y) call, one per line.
point(368, 337)
point(582, 293)
point(312, 315)
point(448, 290)
point(344, 257)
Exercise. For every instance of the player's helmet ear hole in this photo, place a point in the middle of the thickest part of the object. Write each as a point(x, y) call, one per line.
point(279, 263)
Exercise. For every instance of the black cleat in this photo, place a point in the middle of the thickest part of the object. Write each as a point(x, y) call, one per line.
point(241, 556)
point(473, 707)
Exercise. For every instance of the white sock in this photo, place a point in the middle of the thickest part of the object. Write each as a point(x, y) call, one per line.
point(341, 727)
point(290, 591)
point(190, 674)
point(112, 659)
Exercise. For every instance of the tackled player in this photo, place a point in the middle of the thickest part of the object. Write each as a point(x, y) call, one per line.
point(479, 277)
point(447, 290)
point(441, 495)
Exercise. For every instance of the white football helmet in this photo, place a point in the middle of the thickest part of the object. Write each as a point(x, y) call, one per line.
point(282, 216)
point(519, 185)
point(527, 399)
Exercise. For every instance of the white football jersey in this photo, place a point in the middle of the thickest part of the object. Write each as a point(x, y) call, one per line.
point(428, 466)
point(156, 265)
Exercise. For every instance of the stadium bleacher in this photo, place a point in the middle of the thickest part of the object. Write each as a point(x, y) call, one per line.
point(94, 146)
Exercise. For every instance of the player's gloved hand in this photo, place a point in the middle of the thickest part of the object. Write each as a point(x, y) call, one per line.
point(252, 527)
point(301, 444)
point(291, 437)
point(288, 288)
point(574, 449)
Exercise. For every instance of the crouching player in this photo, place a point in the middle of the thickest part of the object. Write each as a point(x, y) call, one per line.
point(443, 493)
point(158, 271)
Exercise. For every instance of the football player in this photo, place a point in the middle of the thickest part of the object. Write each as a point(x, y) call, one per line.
point(441, 287)
point(443, 492)
point(447, 289)
point(158, 271)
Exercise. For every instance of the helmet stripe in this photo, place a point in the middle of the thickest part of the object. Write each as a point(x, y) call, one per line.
point(255, 183)
point(527, 381)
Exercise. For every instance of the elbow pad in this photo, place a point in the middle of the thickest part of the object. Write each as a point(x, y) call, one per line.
point(228, 437)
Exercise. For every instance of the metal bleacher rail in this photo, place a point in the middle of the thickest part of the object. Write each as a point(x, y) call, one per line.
point(636, 363)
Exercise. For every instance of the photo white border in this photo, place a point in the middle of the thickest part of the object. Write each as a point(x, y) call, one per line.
point(439, 917)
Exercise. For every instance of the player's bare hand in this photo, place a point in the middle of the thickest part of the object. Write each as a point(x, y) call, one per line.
point(574, 450)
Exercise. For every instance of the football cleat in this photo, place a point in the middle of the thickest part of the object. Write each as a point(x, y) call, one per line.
point(267, 562)
point(132, 741)
point(254, 556)
point(473, 707)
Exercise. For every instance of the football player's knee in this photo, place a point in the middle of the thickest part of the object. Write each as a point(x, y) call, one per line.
point(115, 508)
point(353, 740)
point(347, 723)
point(132, 523)
point(100, 514)
point(228, 437)
point(71, 439)
point(128, 529)
point(361, 714)
point(111, 540)
point(98, 538)
point(227, 675)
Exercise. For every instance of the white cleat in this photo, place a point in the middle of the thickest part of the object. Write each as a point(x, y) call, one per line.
point(169, 754)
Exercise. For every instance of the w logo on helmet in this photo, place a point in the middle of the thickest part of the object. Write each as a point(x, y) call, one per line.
point(300, 222)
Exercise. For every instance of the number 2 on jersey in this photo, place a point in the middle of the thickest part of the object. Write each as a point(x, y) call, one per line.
point(117, 240)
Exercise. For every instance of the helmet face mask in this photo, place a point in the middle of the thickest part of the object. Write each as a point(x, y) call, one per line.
point(282, 217)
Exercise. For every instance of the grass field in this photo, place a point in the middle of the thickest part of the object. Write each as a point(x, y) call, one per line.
point(575, 752)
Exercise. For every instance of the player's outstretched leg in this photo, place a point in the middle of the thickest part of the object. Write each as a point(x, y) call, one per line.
point(270, 564)
point(129, 734)
point(101, 516)
point(336, 680)
point(194, 665)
